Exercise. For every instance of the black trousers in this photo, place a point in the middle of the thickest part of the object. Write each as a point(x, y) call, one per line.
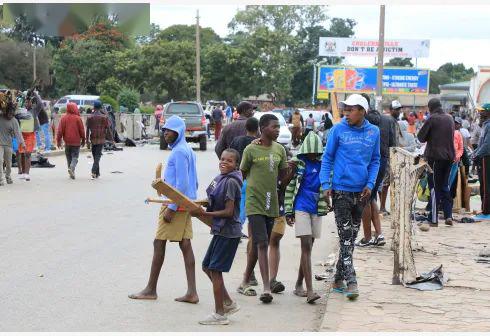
point(96, 154)
point(484, 177)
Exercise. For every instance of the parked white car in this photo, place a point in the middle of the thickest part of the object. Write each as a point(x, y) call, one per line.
point(80, 100)
point(285, 135)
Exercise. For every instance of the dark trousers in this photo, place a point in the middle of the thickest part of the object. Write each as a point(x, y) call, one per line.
point(72, 153)
point(96, 154)
point(484, 177)
point(217, 130)
point(439, 189)
point(348, 214)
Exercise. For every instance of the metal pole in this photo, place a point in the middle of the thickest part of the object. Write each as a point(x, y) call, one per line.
point(198, 60)
point(416, 61)
point(314, 85)
point(381, 49)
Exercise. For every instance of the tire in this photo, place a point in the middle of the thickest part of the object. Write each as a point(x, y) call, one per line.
point(203, 144)
point(163, 143)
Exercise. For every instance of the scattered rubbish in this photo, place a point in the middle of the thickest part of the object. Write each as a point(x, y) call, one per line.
point(41, 275)
point(116, 172)
point(458, 247)
point(482, 217)
point(424, 227)
point(434, 280)
point(483, 260)
point(466, 220)
point(485, 252)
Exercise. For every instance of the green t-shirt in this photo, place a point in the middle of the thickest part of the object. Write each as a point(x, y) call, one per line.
point(262, 165)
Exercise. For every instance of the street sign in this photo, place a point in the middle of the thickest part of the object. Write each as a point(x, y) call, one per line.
point(396, 81)
point(345, 47)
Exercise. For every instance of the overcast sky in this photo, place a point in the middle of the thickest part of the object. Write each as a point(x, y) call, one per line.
point(458, 34)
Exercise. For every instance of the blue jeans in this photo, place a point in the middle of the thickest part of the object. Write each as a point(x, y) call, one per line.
point(47, 137)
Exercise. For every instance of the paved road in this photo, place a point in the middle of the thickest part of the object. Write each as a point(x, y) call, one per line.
point(72, 251)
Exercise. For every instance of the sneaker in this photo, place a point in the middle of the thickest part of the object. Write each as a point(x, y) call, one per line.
point(448, 222)
point(364, 243)
point(9, 180)
point(27, 177)
point(21, 177)
point(380, 240)
point(352, 292)
point(215, 319)
point(338, 287)
point(71, 173)
point(231, 309)
point(93, 176)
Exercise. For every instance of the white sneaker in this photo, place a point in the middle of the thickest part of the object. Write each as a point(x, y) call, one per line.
point(27, 177)
point(215, 319)
point(21, 177)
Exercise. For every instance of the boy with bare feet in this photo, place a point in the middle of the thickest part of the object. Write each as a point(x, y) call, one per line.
point(173, 223)
point(305, 205)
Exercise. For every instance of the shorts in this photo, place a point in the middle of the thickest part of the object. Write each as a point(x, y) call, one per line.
point(220, 254)
point(30, 141)
point(380, 178)
point(260, 227)
point(178, 229)
point(279, 225)
point(387, 178)
point(307, 224)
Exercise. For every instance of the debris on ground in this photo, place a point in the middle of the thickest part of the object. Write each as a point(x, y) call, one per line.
point(434, 280)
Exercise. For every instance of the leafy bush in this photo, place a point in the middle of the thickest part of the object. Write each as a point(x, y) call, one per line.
point(110, 101)
point(109, 87)
point(129, 98)
point(147, 109)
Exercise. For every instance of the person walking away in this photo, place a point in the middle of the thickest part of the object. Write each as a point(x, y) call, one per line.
point(27, 123)
point(304, 205)
point(263, 165)
point(235, 129)
point(481, 157)
point(348, 174)
point(224, 208)
point(310, 124)
point(9, 130)
point(395, 111)
point(297, 130)
point(438, 133)
point(98, 127)
point(217, 115)
point(174, 224)
point(327, 126)
point(71, 132)
point(387, 130)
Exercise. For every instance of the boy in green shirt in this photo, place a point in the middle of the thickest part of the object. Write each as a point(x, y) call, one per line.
point(261, 165)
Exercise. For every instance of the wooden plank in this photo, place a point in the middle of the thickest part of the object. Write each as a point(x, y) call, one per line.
point(167, 201)
point(178, 198)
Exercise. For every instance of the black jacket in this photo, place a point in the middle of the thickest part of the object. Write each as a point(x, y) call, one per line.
point(438, 133)
point(388, 129)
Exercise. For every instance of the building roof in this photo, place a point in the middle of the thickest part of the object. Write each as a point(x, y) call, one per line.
point(454, 97)
point(455, 86)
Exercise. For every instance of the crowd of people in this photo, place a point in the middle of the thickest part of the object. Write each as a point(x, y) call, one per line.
point(24, 118)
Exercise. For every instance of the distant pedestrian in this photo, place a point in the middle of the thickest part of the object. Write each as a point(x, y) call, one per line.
point(438, 133)
point(310, 125)
point(297, 130)
point(348, 174)
point(27, 123)
point(98, 128)
point(224, 209)
point(481, 157)
point(217, 115)
point(229, 114)
point(71, 132)
point(9, 130)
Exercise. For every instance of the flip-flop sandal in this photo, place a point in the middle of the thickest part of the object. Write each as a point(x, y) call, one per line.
point(277, 287)
point(300, 293)
point(247, 291)
point(266, 297)
point(313, 299)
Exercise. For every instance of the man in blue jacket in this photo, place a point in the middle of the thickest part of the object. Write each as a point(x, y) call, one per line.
point(349, 168)
point(174, 224)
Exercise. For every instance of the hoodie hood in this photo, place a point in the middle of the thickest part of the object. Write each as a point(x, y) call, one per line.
point(176, 124)
point(374, 117)
point(71, 108)
point(311, 145)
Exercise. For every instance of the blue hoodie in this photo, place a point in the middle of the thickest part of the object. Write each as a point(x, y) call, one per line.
point(180, 171)
point(352, 153)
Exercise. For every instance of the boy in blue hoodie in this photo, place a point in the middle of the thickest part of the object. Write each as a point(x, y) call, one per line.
point(350, 165)
point(175, 224)
point(224, 195)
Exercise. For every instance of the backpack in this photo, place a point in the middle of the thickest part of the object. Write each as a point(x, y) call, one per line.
point(423, 191)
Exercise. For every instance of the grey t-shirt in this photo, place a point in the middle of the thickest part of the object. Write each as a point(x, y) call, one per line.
point(232, 227)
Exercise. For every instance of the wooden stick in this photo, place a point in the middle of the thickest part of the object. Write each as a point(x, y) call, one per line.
point(167, 201)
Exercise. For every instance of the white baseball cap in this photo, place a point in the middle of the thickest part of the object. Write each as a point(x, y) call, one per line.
point(395, 104)
point(356, 99)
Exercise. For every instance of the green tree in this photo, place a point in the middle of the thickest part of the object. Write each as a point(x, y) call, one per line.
point(449, 73)
point(109, 87)
point(400, 62)
point(180, 33)
point(129, 98)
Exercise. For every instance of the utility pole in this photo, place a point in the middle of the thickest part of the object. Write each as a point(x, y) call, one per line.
point(381, 49)
point(198, 60)
point(34, 77)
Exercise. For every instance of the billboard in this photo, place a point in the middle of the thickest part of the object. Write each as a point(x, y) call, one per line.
point(396, 81)
point(344, 47)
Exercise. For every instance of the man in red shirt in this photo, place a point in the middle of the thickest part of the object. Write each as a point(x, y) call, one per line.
point(70, 129)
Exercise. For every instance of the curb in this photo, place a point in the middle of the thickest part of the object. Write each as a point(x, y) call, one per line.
point(58, 152)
